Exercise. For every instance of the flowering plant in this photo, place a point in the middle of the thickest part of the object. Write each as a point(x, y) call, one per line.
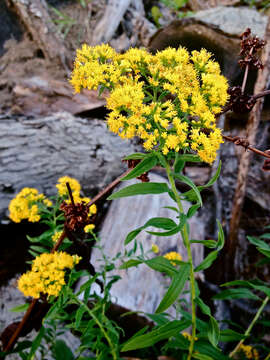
point(170, 101)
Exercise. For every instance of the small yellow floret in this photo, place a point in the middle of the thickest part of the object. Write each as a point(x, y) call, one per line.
point(155, 248)
point(249, 352)
point(62, 187)
point(89, 228)
point(173, 255)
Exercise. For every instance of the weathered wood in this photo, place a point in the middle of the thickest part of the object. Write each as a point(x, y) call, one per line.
point(35, 153)
point(110, 21)
point(37, 21)
point(252, 127)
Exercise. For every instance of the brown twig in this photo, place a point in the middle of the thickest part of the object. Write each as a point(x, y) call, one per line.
point(70, 194)
point(262, 94)
point(246, 74)
point(20, 327)
point(108, 188)
point(244, 143)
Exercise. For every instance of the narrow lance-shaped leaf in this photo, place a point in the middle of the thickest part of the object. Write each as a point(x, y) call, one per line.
point(140, 189)
point(175, 289)
point(240, 293)
point(190, 195)
point(136, 156)
point(187, 181)
point(174, 230)
point(213, 331)
point(145, 165)
point(158, 222)
point(163, 332)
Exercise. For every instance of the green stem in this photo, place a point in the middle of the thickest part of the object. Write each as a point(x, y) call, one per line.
point(184, 233)
point(256, 317)
point(267, 357)
point(91, 313)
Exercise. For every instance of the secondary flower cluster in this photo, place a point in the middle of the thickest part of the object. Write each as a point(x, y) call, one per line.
point(25, 205)
point(248, 351)
point(76, 189)
point(47, 275)
point(173, 255)
point(169, 100)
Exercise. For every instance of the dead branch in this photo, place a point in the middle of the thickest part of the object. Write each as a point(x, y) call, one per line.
point(252, 126)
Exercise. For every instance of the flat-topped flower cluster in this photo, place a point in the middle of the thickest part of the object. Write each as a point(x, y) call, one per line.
point(169, 99)
point(47, 275)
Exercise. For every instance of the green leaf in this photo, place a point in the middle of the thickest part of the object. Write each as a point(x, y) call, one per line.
point(204, 308)
point(173, 231)
point(39, 249)
point(78, 317)
point(191, 196)
point(204, 347)
point(208, 243)
point(162, 265)
point(163, 332)
point(201, 356)
point(187, 181)
point(61, 351)
point(259, 243)
point(19, 308)
point(213, 331)
point(145, 165)
point(243, 283)
point(221, 238)
point(158, 222)
point(228, 335)
point(178, 282)
point(207, 262)
point(36, 343)
point(192, 210)
point(130, 263)
point(240, 293)
point(189, 158)
point(140, 189)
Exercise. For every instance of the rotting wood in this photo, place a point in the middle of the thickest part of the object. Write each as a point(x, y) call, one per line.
point(252, 127)
point(35, 17)
point(110, 21)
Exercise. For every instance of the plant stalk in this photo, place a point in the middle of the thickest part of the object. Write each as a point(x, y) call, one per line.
point(184, 233)
point(91, 313)
point(247, 332)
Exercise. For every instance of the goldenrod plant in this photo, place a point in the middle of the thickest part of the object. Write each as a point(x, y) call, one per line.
point(170, 101)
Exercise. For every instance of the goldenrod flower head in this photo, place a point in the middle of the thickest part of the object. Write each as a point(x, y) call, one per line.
point(89, 228)
point(249, 352)
point(188, 336)
point(47, 275)
point(139, 84)
point(173, 255)
point(25, 205)
point(56, 236)
point(155, 248)
point(62, 187)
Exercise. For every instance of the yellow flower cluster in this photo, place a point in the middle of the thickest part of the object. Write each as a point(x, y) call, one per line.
point(169, 99)
point(56, 236)
point(188, 336)
point(173, 255)
point(249, 352)
point(25, 205)
point(47, 275)
point(75, 188)
point(89, 228)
